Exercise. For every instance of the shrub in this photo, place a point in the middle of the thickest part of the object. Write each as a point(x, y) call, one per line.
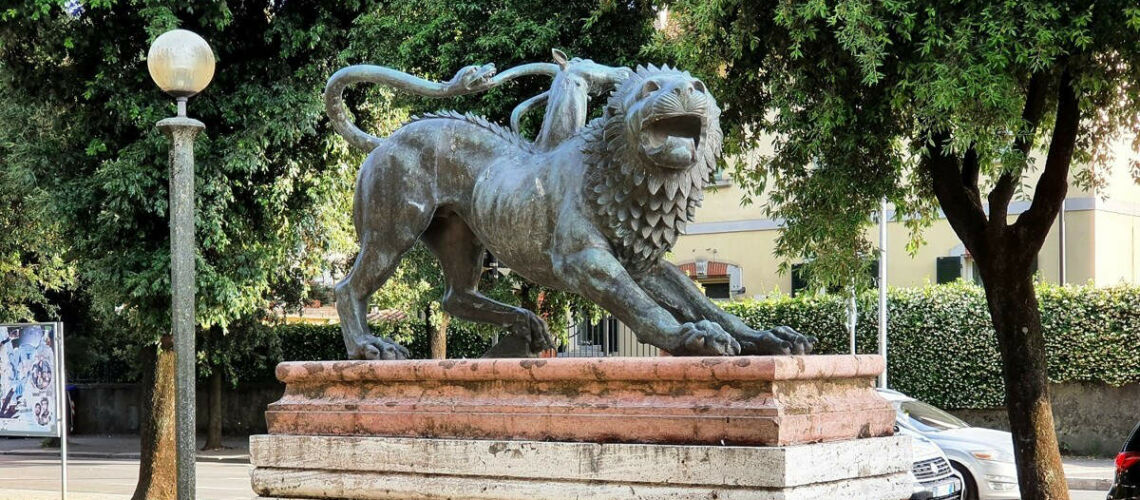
point(942, 347)
point(324, 342)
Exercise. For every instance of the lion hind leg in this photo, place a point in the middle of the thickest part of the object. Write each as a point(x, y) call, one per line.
point(374, 264)
point(389, 221)
point(461, 256)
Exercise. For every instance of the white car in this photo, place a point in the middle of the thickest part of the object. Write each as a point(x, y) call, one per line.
point(931, 473)
point(984, 457)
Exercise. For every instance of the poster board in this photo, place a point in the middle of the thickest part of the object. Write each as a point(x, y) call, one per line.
point(31, 386)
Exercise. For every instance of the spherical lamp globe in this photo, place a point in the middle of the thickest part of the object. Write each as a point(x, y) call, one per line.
point(181, 63)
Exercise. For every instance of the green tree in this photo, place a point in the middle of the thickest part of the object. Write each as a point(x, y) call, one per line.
point(271, 179)
point(266, 164)
point(31, 246)
point(923, 102)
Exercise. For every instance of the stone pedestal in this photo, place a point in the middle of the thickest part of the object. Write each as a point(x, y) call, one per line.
point(750, 427)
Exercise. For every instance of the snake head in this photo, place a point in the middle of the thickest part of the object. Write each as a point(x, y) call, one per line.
point(473, 78)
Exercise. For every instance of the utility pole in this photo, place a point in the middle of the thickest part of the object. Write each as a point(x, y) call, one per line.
point(883, 289)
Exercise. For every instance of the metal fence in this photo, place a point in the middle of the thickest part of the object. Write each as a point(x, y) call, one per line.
point(605, 338)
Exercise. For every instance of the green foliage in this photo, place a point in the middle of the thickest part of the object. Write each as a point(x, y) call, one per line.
point(304, 342)
point(853, 91)
point(942, 346)
point(265, 165)
point(434, 38)
point(31, 246)
point(273, 183)
point(261, 347)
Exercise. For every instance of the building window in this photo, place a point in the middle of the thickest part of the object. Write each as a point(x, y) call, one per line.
point(799, 279)
point(717, 290)
point(961, 265)
point(948, 269)
point(720, 280)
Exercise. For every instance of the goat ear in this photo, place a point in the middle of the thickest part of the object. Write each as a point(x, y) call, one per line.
point(559, 57)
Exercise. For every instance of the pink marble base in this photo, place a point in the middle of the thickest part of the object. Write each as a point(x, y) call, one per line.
point(767, 401)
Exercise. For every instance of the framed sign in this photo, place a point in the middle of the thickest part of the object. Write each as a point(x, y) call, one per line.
point(31, 380)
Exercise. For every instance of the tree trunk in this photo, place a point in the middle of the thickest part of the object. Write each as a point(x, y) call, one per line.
point(157, 479)
point(214, 428)
point(1017, 320)
point(1004, 253)
point(437, 340)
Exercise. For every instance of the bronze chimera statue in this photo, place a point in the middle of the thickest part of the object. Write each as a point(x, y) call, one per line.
point(591, 209)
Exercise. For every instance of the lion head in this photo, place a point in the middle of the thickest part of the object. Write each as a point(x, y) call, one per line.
point(650, 155)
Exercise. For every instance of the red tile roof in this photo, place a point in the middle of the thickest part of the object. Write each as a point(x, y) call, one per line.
point(715, 269)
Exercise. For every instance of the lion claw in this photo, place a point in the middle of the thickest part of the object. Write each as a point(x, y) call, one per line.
point(705, 338)
point(376, 348)
point(781, 340)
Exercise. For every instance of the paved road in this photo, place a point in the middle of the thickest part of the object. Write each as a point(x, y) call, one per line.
point(35, 478)
point(1087, 495)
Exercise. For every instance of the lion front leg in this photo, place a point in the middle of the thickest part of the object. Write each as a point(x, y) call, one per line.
point(599, 276)
point(679, 295)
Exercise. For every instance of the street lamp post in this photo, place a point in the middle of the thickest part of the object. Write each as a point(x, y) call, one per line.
point(182, 64)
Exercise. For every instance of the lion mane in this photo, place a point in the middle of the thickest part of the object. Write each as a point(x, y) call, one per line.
point(642, 223)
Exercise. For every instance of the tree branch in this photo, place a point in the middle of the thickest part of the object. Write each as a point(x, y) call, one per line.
point(1031, 116)
point(999, 199)
point(963, 211)
point(1049, 195)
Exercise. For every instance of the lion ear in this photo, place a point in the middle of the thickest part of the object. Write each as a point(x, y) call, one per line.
point(559, 57)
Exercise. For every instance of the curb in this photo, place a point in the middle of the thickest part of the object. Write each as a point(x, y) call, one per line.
point(237, 459)
point(1089, 483)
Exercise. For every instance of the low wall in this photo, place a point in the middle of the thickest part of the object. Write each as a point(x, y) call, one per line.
point(1091, 419)
point(115, 408)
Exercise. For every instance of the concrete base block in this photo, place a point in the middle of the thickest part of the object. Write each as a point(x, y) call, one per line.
point(373, 468)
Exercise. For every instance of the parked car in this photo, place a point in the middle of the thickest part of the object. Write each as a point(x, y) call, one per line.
point(931, 473)
point(1126, 485)
point(984, 457)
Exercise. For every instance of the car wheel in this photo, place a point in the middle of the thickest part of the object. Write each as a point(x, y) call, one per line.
point(969, 486)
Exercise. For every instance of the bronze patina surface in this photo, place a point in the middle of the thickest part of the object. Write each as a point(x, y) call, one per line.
point(592, 210)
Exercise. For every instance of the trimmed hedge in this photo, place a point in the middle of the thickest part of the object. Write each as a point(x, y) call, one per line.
point(324, 342)
point(942, 347)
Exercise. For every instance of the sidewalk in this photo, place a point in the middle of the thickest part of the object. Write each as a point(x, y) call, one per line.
point(1086, 473)
point(120, 447)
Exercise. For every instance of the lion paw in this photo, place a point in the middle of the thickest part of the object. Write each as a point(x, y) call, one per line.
point(531, 327)
point(801, 344)
point(777, 341)
point(377, 348)
point(705, 338)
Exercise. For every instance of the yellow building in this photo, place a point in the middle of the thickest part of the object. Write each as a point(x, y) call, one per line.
point(729, 248)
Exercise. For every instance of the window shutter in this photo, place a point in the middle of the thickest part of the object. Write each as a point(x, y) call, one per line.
point(948, 269)
point(735, 280)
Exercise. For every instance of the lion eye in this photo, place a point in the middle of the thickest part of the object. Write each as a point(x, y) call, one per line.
point(649, 88)
point(698, 86)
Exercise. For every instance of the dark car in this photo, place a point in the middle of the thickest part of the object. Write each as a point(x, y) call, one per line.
point(1127, 483)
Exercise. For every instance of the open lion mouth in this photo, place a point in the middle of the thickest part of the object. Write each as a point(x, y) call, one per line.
point(672, 140)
